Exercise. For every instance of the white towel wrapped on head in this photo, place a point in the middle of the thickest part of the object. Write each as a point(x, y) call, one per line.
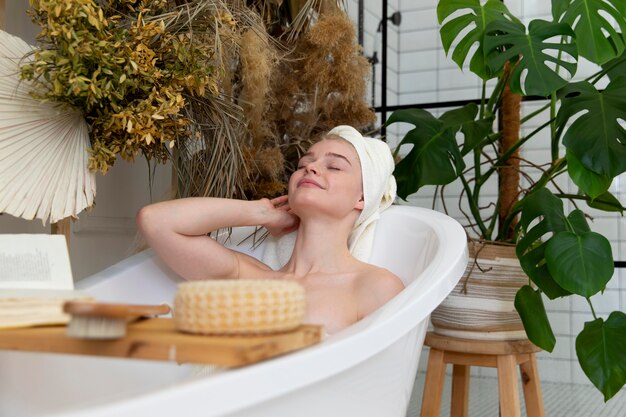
point(379, 192)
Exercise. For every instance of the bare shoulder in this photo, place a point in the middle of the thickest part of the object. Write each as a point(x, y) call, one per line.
point(375, 287)
point(250, 267)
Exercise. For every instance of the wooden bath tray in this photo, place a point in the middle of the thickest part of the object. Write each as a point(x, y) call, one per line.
point(157, 339)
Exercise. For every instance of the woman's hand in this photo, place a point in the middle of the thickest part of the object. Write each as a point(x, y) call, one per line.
point(281, 220)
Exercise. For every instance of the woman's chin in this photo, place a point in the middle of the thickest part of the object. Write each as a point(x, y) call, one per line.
point(310, 205)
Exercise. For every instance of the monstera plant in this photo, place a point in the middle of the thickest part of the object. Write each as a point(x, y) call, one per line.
point(587, 140)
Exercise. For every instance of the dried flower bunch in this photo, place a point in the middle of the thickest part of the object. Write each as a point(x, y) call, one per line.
point(127, 65)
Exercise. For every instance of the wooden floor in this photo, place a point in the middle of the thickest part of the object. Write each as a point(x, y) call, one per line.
point(560, 400)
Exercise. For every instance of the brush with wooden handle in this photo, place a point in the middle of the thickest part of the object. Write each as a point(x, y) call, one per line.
point(91, 320)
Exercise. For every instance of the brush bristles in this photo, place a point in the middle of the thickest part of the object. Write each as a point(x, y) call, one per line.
point(83, 327)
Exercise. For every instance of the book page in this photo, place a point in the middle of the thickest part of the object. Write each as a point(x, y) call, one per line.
point(34, 261)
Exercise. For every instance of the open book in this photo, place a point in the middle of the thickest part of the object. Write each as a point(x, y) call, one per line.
point(35, 280)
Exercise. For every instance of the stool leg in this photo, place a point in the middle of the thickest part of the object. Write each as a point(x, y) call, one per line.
point(507, 385)
point(460, 390)
point(433, 387)
point(532, 387)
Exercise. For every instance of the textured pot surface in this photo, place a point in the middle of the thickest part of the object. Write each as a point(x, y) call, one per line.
point(481, 306)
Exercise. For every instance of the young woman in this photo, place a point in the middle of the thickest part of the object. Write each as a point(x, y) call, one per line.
point(334, 198)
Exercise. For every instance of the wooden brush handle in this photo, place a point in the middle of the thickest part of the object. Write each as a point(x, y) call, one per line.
point(86, 308)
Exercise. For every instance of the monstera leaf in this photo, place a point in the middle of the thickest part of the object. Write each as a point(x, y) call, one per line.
point(529, 305)
point(476, 17)
point(530, 249)
point(573, 259)
point(607, 202)
point(474, 131)
point(596, 137)
point(580, 262)
point(601, 348)
point(616, 66)
point(435, 158)
point(597, 39)
point(532, 52)
point(592, 184)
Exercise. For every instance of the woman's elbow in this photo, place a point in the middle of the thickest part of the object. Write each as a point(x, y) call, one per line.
point(146, 221)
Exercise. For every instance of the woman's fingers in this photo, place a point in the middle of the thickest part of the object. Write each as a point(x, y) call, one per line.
point(279, 200)
point(281, 203)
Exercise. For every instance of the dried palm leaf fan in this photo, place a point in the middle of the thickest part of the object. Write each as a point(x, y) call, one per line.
point(43, 147)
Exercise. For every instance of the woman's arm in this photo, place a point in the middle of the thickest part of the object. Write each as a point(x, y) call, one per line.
point(177, 231)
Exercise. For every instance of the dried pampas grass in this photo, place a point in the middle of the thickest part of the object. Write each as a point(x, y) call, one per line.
point(266, 169)
point(322, 84)
point(258, 58)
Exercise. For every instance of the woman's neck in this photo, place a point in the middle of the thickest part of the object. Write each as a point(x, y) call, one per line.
point(320, 247)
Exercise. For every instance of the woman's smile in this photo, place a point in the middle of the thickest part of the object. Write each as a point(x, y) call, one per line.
point(309, 183)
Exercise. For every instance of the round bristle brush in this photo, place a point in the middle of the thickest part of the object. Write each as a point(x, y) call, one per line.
point(91, 320)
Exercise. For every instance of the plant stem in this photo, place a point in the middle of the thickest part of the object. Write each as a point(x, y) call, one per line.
point(478, 148)
point(547, 176)
point(592, 310)
point(496, 95)
point(507, 223)
point(554, 143)
point(594, 78)
point(472, 200)
point(533, 114)
point(492, 222)
point(482, 100)
point(489, 139)
point(551, 172)
point(507, 154)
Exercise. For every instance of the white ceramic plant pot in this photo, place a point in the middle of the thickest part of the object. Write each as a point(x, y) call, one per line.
point(481, 305)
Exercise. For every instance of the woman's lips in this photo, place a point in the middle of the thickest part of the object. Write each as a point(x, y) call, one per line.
point(308, 183)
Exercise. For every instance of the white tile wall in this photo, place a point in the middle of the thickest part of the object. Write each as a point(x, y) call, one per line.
point(418, 39)
point(372, 42)
point(422, 73)
point(468, 93)
point(411, 98)
point(418, 81)
point(561, 349)
point(418, 61)
point(420, 18)
point(561, 323)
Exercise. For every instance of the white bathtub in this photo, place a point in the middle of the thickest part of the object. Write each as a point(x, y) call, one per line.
point(366, 370)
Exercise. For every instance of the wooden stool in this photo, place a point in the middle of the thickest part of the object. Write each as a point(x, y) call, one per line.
point(463, 353)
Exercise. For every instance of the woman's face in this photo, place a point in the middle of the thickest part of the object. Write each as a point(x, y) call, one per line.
point(328, 178)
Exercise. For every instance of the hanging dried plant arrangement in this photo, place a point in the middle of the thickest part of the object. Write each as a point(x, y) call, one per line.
point(151, 78)
point(202, 83)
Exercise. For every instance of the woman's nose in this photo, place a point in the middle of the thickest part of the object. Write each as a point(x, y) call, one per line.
point(311, 167)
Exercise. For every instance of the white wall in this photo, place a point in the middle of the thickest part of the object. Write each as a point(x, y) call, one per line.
point(107, 233)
